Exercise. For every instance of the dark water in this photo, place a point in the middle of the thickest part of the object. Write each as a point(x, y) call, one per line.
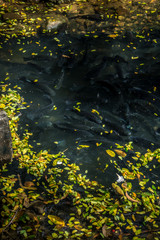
point(88, 92)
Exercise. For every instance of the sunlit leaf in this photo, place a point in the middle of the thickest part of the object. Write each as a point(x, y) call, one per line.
point(2, 105)
point(118, 189)
point(120, 153)
point(110, 153)
point(56, 220)
point(112, 35)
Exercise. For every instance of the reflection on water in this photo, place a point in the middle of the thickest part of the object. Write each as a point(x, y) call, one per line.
point(85, 96)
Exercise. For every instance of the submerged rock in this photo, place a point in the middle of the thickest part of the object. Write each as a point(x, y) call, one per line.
point(5, 139)
point(55, 22)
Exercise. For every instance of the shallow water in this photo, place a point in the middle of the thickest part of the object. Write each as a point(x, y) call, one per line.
point(94, 93)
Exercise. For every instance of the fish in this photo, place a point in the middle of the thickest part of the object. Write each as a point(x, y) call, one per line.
point(121, 130)
point(35, 115)
point(145, 107)
point(142, 94)
point(39, 58)
point(141, 124)
point(69, 127)
point(58, 85)
point(113, 88)
point(37, 67)
point(88, 115)
point(42, 86)
point(145, 143)
point(96, 139)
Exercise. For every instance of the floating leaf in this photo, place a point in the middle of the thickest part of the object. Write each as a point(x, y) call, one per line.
point(137, 232)
point(82, 146)
point(118, 189)
point(112, 35)
point(2, 105)
point(120, 153)
point(122, 217)
point(106, 231)
point(98, 144)
point(95, 111)
point(110, 153)
point(56, 220)
point(28, 184)
point(54, 235)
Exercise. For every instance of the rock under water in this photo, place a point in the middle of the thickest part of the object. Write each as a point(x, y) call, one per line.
point(5, 139)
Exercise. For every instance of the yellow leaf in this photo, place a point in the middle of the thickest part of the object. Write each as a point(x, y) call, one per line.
point(133, 217)
point(110, 153)
point(82, 146)
point(2, 105)
point(154, 89)
point(118, 189)
point(95, 111)
point(113, 35)
point(122, 217)
point(98, 144)
point(56, 220)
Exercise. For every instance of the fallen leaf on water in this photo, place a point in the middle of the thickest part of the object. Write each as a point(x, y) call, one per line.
point(113, 35)
point(28, 184)
point(56, 220)
point(138, 176)
point(82, 146)
point(118, 189)
point(65, 56)
point(78, 227)
point(120, 153)
point(98, 144)
point(110, 153)
point(95, 111)
point(2, 105)
point(134, 194)
point(106, 232)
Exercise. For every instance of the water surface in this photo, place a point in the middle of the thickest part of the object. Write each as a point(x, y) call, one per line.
point(86, 95)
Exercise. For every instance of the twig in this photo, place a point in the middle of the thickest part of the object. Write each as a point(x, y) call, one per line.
point(20, 183)
point(12, 220)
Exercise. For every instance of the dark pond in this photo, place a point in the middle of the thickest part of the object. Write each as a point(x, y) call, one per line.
point(86, 94)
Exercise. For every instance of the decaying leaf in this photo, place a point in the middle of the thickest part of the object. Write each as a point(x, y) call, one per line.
point(106, 231)
point(118, 189)
point(28, 184)
point(120, 153)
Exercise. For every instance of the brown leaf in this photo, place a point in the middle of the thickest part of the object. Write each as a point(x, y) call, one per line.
point(28, 184)
point(106, 232)
point(65, 56)
point(96, 235)
point(120, 236)
point(120, 153)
